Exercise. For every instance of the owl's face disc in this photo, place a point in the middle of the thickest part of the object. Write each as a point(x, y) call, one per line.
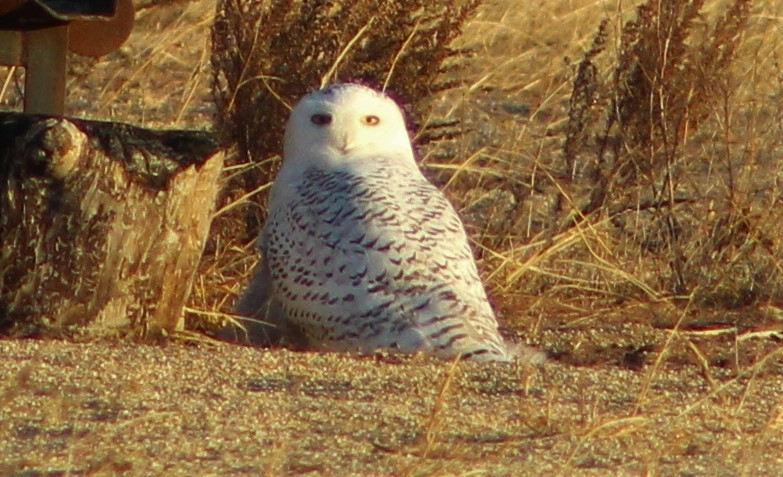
point(346, 122)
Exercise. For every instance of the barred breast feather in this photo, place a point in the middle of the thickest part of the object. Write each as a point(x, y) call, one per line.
point(378, 260)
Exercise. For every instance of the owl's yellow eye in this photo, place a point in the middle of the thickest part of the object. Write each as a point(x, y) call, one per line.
point(321, 119)
point(371, 120)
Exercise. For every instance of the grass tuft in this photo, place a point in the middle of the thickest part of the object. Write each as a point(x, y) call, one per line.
point(651, 174)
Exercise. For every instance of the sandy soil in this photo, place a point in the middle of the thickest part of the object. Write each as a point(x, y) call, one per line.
point(103, 409)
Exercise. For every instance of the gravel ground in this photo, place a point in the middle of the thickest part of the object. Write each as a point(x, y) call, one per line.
point(183, 409)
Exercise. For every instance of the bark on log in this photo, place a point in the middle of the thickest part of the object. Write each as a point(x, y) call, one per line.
point(102, 225)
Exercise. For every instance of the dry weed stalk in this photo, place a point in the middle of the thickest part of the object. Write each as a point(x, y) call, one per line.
point(652, 179)
point(434, 423)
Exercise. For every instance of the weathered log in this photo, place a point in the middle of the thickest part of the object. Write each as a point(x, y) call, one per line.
point(102, 225)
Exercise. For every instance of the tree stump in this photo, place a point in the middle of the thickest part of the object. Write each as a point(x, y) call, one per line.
point(102, 225)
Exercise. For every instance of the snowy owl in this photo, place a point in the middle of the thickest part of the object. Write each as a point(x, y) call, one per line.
point(359, 250)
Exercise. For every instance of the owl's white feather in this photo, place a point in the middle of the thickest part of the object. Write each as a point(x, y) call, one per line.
point(363, 252)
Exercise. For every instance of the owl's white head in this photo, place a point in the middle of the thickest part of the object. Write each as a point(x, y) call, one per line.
point(345, 124)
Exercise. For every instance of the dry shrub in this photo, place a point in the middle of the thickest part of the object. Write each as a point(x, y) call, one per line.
point(268, 53)
point(666, 190)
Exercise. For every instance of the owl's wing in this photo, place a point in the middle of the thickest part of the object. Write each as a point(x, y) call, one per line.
point(266, 323)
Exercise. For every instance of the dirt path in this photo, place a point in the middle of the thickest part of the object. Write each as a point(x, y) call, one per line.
point(76, 409)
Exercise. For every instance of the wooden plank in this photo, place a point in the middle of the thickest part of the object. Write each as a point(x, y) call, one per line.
point(10, 48)
point(45, 63)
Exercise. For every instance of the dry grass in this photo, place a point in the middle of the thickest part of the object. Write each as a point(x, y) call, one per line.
point(618, 167)
point(645, 172)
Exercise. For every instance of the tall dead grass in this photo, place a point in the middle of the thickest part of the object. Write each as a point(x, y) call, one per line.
point(666, 184)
